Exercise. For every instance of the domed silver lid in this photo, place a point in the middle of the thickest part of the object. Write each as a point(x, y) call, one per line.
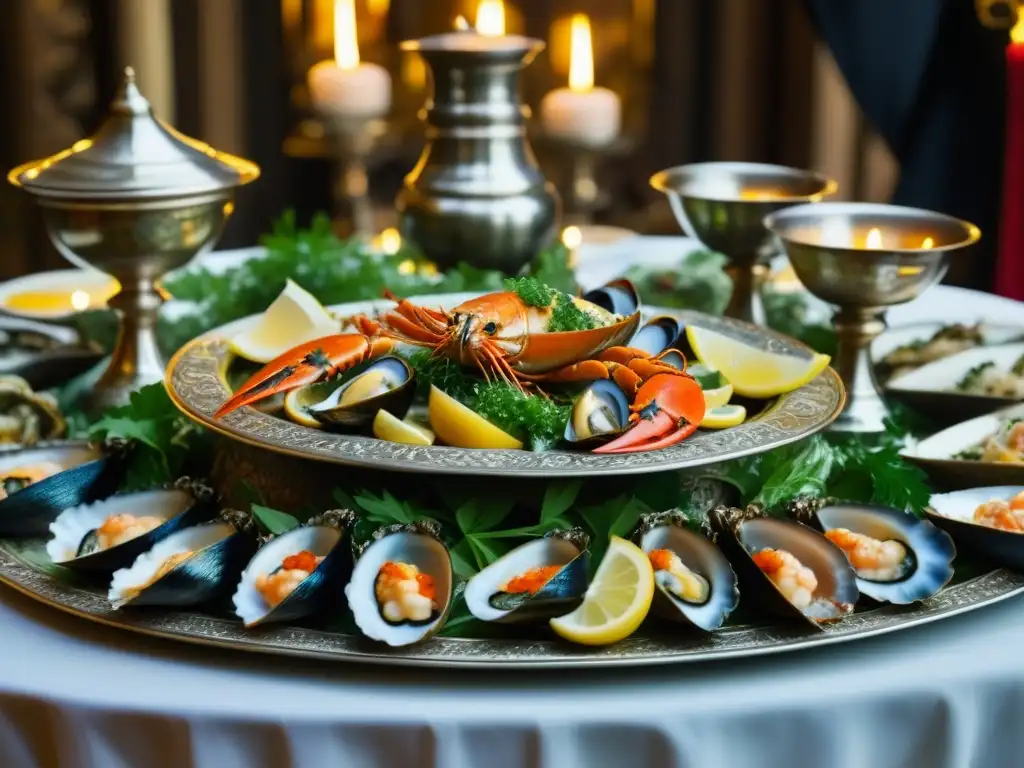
point(133, 156)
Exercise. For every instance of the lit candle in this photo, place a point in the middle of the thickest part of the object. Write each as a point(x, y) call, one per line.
point(581, 112)
point(345, 87)
point(873, 242)
point(490, 18)
point(1010, 264)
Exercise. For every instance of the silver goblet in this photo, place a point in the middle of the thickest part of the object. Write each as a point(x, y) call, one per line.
point(724, 204)
point(135, 200)
point(864, 258)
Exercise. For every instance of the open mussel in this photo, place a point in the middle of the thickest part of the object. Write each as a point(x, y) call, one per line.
point(27, 417)
point(109, 534)
point(535, 581)
point(402, 586)
point(656, 335)
point(37, 484)
point(695, 582)
point(785, 567)
point(297, 573)
point(987, 521)
point(385, 383)
point(618, 297)
point(194, 565)
point(897, 557)
point(598, 414)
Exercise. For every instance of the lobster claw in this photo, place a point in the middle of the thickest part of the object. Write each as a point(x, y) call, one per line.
point(666, 410)
point(305, 364)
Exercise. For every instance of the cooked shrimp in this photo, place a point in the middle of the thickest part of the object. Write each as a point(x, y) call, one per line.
point(999, 514)
point(1017, 502)
point(794, 580)
point(117, 529)
point(872, 558)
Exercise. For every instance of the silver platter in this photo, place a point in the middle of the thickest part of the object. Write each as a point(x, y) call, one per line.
point(682, 646)
point(196, 382)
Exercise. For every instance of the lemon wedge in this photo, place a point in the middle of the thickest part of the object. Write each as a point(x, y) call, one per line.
point(295, 408)
point(457, 425)
point(294, 318)
point(716, 398)
point(753, 372)
point(387, 426)
point(617, 600)
point(724, 416)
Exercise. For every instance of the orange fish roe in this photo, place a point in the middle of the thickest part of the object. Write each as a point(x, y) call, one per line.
point(426, 582)
point(406, 571)
point(301, 561)
point(532, 581)
point(768, 560)
point(661, 559)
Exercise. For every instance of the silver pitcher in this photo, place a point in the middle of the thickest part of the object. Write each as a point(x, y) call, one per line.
point(477, 194)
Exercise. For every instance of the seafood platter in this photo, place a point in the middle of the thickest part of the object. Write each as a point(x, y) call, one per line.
point(677, 585)
point(171, 562)
point(528, 381)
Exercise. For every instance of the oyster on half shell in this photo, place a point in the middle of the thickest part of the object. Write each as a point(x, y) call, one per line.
point(109, 534)
point(785, 567)
point(897, 557)
point(298, 573)
point(194, 565)
point(535, 581)
point(402, 584)
point(695, 582)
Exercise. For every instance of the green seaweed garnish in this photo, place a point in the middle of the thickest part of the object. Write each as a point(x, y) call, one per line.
point(1018, 367)
point(531, 290)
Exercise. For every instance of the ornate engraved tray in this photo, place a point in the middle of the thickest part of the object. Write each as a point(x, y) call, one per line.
point(22, 569)
point(196, 382)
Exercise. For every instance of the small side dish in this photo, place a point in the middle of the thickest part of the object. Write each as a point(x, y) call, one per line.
point(1005, 445)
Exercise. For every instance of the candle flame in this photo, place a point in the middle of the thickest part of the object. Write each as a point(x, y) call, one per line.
point(572, 237)
point(928, 243)
point(581, 55)
point(1017, 33)
point(79, 300)
point(346, 43)
point(490, 18)
point(460, 23)
point(874, 239)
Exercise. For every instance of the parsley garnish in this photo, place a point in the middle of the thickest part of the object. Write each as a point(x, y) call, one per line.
point(973, 377)
point(532, 291)
point(1018, 367)
point(566, 316)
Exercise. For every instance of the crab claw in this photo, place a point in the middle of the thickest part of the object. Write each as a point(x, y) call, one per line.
point(666, 410)
point(305, 364)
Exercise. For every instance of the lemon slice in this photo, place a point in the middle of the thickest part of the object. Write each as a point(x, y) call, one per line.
point(724, 416)
point(716, 398)
point(387, 426)
point(295, 409)
point(457, 425)
point(617, 600)
point(293, 318)
point(753, 372)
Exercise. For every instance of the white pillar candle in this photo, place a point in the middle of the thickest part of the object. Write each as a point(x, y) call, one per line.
point(346, 87)
point(581, 113)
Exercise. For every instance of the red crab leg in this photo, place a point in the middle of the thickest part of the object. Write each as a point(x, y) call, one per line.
point(305, 364)
point(667, 409)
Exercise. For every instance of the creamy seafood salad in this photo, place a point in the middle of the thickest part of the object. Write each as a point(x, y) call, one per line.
point(1005, 445)
point(1002, 514)
point(987, 379)
point(947, 341)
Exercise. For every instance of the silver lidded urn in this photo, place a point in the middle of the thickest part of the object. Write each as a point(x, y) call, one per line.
point(477, 194)
point(135, 200)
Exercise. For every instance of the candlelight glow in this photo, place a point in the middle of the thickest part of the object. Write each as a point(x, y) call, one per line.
point(414, 71)
point(460, 23)
point(928, 243)
point(1017, 33)
point(581, 55)
point(346, 44)
point(378, 7)
point(79, 300)
point(390, 241)
point(572, 237)
point(874, 239)
point(490, 18)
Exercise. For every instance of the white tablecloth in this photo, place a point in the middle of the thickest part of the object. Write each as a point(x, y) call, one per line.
point(950, 695)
